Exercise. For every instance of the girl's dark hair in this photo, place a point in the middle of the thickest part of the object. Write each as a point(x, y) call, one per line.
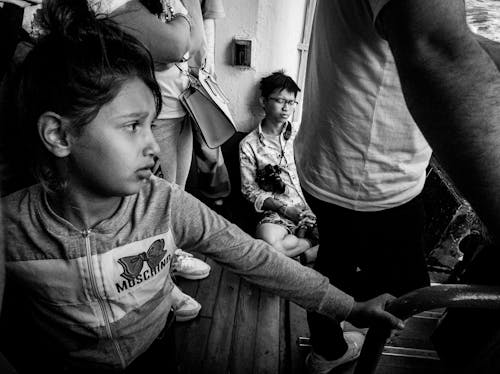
point(78, 65)
point(278, 80)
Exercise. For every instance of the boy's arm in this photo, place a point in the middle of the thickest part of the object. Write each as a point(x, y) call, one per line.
point(262, 200)
point(248, 171)
point(452, 89)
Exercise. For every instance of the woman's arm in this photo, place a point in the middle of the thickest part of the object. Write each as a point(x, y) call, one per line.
point(167, 42)
point(197, 36)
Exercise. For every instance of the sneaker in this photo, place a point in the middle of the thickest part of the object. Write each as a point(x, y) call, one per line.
point(347, 326)
point(186, 308)
point(186, 266)
point(316, 364)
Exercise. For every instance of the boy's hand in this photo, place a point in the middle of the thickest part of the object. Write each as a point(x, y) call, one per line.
point(293, 213)
point(371, 312)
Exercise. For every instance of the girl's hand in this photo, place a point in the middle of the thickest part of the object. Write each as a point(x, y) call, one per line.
point(372, 312)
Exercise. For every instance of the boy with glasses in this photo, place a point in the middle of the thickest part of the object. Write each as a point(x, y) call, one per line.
point(268, 175)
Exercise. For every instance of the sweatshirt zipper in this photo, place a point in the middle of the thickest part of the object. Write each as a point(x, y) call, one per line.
point(93, 282)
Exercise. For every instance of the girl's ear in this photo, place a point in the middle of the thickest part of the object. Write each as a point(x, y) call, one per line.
point(262, 102)
point(53, 133)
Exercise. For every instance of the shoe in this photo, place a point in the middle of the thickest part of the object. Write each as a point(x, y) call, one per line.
point(186, 308)
point(346, 326)
point(316, 364)
point(186, 266)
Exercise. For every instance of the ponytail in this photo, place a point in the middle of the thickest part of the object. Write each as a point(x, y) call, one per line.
point(70, 19)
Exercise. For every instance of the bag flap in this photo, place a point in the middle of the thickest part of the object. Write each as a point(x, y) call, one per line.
point(214, 91)
point(215, 126)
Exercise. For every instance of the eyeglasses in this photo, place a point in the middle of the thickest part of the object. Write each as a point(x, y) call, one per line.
point(283, 101)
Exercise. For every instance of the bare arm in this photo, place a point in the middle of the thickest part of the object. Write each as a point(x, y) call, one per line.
point(491, 47)
point(197, 37)
point(167, 42)
point(452, 89)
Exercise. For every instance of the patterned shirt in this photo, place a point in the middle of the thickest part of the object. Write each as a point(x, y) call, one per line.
point(258, 150)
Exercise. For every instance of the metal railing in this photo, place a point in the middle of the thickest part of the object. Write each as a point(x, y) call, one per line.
point(427, 298)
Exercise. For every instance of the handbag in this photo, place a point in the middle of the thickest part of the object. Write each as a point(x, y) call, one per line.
point(208, 108)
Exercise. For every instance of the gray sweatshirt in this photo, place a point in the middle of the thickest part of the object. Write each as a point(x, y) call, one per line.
point(100, 297)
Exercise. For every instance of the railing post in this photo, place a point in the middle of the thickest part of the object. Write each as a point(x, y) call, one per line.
point(372, 348)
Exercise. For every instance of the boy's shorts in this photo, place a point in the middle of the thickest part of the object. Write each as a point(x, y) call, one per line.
point(273, 217)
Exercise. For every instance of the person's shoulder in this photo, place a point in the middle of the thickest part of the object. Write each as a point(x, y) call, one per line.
point(251, 137)
point(158, 190)
point(154, 186)
point(21, 200)
point(22, 194)
point(295, 127)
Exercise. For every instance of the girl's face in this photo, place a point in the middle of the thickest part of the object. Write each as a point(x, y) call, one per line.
point(280, 105)
point(114, 153)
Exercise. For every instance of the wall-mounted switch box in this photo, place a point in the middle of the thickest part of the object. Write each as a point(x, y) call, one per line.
point(242, 52)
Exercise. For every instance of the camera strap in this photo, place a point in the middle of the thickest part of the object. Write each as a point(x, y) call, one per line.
point(286, 136)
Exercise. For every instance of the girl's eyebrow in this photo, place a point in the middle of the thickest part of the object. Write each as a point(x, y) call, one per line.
point(140, 114)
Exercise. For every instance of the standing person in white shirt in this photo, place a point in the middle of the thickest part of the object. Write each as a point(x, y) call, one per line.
point(381, 73)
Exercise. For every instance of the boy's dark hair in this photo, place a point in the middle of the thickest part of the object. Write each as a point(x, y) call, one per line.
point(78, 65)
point(277, 80)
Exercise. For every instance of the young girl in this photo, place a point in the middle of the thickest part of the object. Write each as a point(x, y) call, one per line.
point(91, 245)
point(171, 33)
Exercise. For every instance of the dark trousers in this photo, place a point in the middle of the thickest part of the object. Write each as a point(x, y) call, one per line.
point(366, 254)
point(161, 356)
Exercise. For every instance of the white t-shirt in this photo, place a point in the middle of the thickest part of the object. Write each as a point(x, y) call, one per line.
point(172, 82)
point(358, 146)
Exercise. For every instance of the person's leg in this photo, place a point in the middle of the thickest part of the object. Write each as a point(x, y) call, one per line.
point(167, 132)
point(336, 260)
point(160, 357)
point(393, 260)
point(279, 237)
point(186, 308)
point(175, 139)
point(184, 152)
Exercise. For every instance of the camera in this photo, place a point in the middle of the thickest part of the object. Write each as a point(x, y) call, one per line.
point(309, 232)
point(268, 178)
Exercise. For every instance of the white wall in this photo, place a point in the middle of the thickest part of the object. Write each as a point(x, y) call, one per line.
point(275, 27)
